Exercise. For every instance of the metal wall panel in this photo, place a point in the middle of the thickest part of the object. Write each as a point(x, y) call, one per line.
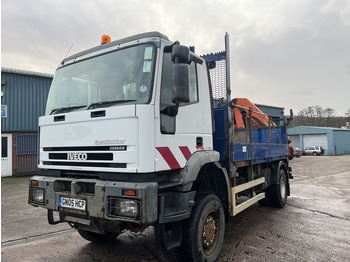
point(295, 141)
point(25, 94)
point(272, 110)
point(341, 142)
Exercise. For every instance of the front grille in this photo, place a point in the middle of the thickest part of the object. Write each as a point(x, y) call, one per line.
point(86, 164)
point(90, 156)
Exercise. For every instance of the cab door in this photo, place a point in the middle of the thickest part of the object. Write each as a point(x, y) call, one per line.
point(182, 133)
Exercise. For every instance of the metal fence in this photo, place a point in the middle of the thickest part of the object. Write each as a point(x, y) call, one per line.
point(27, 153)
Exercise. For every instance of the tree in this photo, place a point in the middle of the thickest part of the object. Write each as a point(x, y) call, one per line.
point(347, 113)
point(317, 116)
point(329, 114)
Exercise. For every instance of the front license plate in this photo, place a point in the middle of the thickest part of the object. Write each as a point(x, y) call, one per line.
point(79, 204)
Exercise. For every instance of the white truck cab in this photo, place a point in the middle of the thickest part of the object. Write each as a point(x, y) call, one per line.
point(109, 110)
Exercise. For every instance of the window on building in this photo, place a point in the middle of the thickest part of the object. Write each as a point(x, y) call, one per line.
point(4, 147)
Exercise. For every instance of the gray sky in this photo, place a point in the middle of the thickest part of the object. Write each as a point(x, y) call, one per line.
point(288, 53)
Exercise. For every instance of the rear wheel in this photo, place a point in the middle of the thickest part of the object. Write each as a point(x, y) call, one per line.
point(314, 154)
point(278, 192)
point(96, 237)
point(205, 229)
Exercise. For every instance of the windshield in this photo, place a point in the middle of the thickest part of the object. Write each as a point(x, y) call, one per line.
point(112, 79)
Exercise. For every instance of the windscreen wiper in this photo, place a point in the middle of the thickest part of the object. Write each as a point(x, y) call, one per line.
point(111, 102)
point(69, 108)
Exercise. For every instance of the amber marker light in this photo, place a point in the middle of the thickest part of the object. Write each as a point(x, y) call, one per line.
point(129, 192)
point(105, 39)
point(34, 183)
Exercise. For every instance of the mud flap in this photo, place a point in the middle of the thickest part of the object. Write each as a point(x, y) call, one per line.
point(290, 174)
point(166, 241)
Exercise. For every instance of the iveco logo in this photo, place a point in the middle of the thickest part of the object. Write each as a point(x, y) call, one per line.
point(77, 156)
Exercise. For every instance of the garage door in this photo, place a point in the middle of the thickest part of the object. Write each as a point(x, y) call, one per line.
point(295, 141)
point(316, 140)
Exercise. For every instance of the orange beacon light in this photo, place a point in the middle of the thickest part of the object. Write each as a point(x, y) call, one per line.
point(105, 39)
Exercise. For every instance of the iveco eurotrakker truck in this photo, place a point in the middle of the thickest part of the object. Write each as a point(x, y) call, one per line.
point(142, 132)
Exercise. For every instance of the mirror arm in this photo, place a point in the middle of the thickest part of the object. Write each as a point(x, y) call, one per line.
point(196, 59)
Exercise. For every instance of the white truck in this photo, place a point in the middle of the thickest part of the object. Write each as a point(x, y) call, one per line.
point(141, 132)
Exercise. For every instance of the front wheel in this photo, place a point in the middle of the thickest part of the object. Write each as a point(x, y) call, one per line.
point(96, 237)
point(205, 230)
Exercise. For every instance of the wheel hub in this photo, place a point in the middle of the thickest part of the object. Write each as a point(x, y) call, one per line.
point(209, 232)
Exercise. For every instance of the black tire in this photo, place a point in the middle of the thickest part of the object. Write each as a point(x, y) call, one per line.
point(269, 197)
point(204, 232)
point(264, 202)
point(314, 154)
point(278, 192)
point(96, 237)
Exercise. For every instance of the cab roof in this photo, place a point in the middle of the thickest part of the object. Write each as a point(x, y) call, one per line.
point(116, 42)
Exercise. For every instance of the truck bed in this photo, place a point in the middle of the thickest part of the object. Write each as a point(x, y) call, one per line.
point(258, 144)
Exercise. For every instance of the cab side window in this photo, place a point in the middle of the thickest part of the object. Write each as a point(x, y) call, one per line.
point(167, 123)
point(193, 84)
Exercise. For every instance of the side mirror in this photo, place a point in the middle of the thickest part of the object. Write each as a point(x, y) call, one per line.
point(180, 54)
point(181, 83)
point(181, 59)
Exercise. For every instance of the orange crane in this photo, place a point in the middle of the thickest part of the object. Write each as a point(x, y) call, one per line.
point(241, 107)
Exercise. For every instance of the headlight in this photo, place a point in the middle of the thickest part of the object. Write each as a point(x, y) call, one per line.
point(129, 208)
point(37, 196)
point(119, 207)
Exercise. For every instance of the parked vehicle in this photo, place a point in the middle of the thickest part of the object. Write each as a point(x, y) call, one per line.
point(313, 150)
point(297, 152)
point(135, 135)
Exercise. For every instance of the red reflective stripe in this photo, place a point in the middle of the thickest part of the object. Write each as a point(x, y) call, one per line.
point(168, 157)
point(199, 148)
point(185, 151)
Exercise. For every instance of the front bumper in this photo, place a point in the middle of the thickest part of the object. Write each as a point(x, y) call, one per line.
point(104, 199)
